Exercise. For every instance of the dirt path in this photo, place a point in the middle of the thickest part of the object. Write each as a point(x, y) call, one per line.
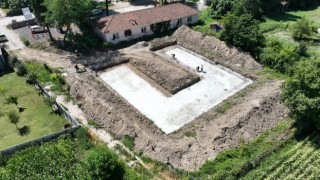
point(61, 60)
point(105, 137)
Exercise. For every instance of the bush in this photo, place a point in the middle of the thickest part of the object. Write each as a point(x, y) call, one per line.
point(25, 41)
point(107, 44)
point(128, 142)
point(279, 56)
point(102, 163)
point(13, 61)
point(32, 78)
point(21, 69)
point(303, 29)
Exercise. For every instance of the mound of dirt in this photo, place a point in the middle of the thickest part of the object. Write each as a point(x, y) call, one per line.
point(212, 48)
point(161, 43)
point(167, 74)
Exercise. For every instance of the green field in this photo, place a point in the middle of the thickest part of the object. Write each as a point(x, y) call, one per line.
point(37, 115)
point(299, 160)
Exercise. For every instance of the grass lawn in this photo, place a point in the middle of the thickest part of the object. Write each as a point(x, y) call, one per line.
point(283, 19)
point(37, 114)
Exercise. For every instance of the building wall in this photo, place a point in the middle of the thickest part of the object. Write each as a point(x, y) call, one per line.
point(136, 32)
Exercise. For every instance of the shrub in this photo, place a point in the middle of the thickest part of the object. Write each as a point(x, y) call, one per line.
point(21, 69)
point(128, 142)
point(53, 76)
point(102, 163)
point(32, 78)
point(13, 61)
point(279, 56)
point(303, 29)
point(25, 41)
point(107, 44)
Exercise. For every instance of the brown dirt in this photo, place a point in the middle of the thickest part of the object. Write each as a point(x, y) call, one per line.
point(63, 59)
point(258, 111)
point(167, 74)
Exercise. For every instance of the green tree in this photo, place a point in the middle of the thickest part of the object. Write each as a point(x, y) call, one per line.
point(14, 118)
point(18, 4)
point(65, 12)
point(301, 94)
point(38, 9)
point(252, 7)
point(221, 7)
point(303, 29)
point(242, 31)
point(102, 163)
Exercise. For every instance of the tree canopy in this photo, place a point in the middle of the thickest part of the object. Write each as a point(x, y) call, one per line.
point(301, 94)
point(242, 31)
point(65, 12)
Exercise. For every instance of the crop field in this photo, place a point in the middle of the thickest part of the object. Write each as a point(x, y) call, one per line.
point(300, 160)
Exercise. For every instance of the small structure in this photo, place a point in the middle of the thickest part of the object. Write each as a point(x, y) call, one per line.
point(126, 26)
point(216, 26)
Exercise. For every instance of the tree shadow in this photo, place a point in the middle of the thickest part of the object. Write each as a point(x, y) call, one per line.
point(21, 109)
point(283, 16)
point(25, 130)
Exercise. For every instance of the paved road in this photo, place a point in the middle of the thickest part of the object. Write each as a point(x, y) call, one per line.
point(14, 41)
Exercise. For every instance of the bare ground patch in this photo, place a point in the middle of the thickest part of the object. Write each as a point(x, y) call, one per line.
point(167, 74)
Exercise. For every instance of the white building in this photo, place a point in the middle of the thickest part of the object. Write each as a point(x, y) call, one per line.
point(126, 26)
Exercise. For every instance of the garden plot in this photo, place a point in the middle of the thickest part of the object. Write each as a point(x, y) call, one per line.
point(171, 113)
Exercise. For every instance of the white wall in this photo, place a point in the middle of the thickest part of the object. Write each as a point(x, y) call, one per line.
point(136, 32)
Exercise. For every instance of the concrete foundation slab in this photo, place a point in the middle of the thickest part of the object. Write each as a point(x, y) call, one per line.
point(171, 113)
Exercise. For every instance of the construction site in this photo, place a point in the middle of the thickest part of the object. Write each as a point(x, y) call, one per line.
point(183, 99)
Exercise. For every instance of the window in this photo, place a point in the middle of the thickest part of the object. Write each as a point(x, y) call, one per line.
point(115, 36)
point(189, 19)
point(127, 32)
point(144, 29)
point(179, 22)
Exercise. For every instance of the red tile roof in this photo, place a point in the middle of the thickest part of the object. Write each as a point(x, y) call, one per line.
point(140, 18)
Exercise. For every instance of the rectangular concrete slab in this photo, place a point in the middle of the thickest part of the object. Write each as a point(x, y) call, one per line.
point(171, 113)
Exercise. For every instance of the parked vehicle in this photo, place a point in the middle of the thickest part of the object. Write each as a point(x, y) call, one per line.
point(96, 12)
point(3, 38)
point(37, 29)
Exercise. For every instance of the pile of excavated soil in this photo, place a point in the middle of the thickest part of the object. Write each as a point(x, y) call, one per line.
point(210, 47)
point(165, 73)
point(254, 113)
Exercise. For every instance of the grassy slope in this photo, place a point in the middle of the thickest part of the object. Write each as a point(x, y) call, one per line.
point(37, 114)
